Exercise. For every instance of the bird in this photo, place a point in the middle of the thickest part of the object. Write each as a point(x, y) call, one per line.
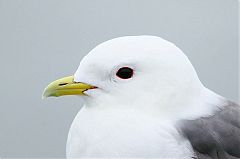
point(143, 98)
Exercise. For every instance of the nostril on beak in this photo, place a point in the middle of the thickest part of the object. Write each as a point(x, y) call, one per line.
point(62, 84)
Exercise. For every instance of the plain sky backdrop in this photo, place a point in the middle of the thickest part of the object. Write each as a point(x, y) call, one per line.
point(42, 40)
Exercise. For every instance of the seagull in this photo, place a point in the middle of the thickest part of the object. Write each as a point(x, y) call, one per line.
point(143, 98)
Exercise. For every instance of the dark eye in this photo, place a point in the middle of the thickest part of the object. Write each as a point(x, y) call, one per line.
point(125, 73)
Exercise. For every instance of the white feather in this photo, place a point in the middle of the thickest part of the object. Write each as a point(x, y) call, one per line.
point(136, 117)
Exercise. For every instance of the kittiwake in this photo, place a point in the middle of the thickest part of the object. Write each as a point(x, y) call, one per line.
point(143, 98)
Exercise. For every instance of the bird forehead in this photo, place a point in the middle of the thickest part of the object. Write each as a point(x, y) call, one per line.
point(130, 51)
point(131, 45)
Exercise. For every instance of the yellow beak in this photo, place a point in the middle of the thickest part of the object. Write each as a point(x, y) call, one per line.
point(66, 86)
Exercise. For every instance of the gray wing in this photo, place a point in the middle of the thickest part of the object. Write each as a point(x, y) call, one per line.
point(217, 136)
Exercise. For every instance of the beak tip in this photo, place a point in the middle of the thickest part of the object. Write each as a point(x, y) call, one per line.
point(44, 95)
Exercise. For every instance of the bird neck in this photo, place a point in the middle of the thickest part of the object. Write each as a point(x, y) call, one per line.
point(181, 105)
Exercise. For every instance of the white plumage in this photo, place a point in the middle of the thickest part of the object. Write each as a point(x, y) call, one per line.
point(137, 117)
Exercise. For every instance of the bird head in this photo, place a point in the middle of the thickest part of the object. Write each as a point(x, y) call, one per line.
point(132, 71)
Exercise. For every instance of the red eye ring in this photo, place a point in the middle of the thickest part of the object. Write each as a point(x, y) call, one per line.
point(125, 73)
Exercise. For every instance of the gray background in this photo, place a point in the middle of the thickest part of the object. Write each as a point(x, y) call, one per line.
point(41, 40)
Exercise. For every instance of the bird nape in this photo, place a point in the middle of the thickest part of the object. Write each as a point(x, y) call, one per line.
point(143, 98)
